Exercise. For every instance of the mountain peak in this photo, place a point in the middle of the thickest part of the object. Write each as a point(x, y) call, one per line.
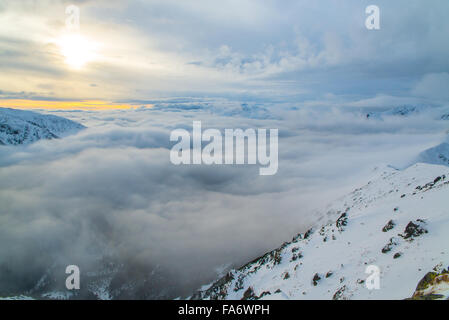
point(24, 127)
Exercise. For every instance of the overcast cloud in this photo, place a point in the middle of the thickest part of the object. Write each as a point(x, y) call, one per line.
point(251, 49)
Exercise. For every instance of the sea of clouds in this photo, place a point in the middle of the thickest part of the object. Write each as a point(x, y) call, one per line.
point(111, 188)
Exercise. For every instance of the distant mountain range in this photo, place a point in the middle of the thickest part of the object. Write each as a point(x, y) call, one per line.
point(440, 113)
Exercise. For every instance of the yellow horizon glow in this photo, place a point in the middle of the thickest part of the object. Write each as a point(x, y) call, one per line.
point(66, 105)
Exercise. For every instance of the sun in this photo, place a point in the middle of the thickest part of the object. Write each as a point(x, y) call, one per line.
point(77, 50)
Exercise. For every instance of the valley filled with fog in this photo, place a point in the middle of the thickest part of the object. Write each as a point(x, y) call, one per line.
point(110, 195)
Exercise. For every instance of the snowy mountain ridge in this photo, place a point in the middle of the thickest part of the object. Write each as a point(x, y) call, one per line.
point(397, 222)
point(436, 112)
point(24, 127)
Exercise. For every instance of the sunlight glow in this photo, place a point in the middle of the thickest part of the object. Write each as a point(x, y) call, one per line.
point(77, 50)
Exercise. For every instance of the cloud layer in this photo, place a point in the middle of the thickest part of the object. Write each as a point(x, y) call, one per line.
point(111, 189)
point(288, 50)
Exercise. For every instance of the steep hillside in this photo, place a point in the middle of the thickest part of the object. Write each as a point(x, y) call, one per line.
point(24, 127)
point(397, 223)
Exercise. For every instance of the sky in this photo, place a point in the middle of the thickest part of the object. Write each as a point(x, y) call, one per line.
point(136, 51)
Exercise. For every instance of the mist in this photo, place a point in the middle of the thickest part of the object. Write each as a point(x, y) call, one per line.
point(109, 195)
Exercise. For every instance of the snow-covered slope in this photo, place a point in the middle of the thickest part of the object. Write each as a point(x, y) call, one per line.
point(398, 223)
point(436, 155)
point(24, 127)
